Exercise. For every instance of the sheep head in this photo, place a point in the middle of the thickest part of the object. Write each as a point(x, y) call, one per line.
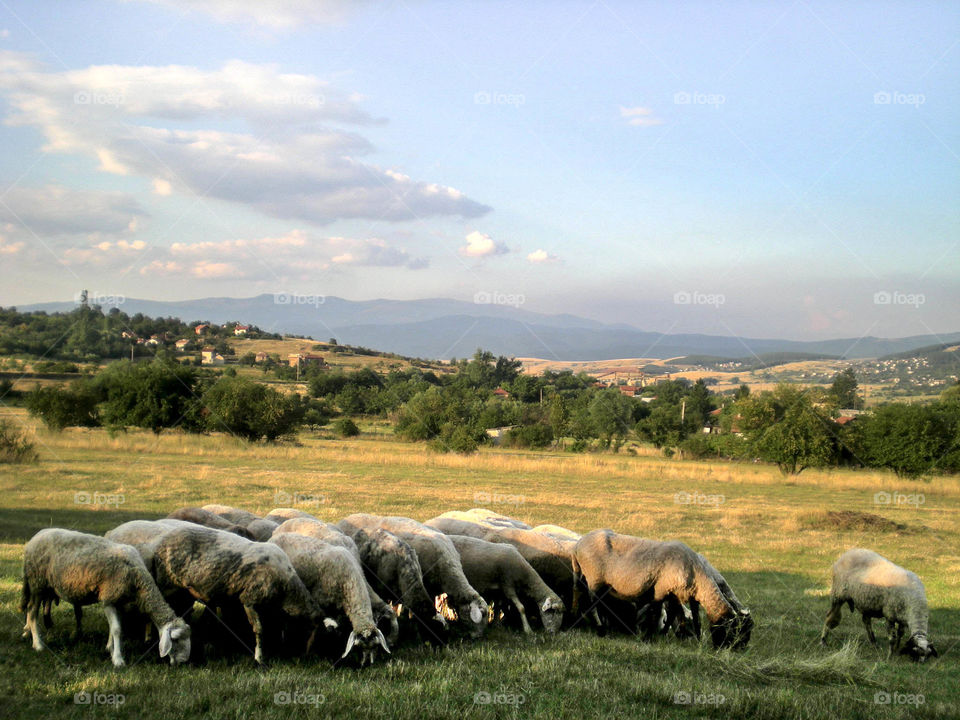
point(732, 631)
point(918, 648)
point(367, 641)
point(175, 641)
point(551, 613)
point(475, 613)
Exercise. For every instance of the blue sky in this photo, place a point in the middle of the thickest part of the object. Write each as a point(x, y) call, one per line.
point(758, 169)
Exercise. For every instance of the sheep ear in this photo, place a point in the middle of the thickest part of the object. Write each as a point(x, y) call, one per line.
point(475, 614)
point(350, 641)
point(546, 604)
point(330, 624)
point(166, 642)
point(383, 640)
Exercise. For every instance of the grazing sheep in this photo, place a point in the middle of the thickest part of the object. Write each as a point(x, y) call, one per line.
point(279, 515)
point(86, 569)
point(499, 567)
point(258, 527)
point(558, 532)
point(550, 556)
point(332, 535)
point(209, 519)
point(487, 517)
point(440, 562)
point(870, 583)
point(392, 568)
point(642, 571)
point(335, 579)
point(219, 568)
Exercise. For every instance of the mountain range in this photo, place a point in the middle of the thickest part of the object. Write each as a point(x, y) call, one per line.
point(444, 328)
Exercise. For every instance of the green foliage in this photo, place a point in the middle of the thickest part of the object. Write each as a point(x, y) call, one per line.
point(250, 410)
point(155, 395)
point(911, 440)
point(611, 415)
point(345, 427)
point(61, 407)
point(697, 446)
point(14, 445)
point(844, 390)
point(529, 436)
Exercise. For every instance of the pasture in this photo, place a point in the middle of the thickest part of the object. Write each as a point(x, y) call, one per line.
point(773, 539)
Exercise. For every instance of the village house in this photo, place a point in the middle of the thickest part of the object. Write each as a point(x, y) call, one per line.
point(501, 393)
point(209, 356)
point(201, 329)
point(260, 357)
point(241, 329)
point(181, 344)
point(305, 359)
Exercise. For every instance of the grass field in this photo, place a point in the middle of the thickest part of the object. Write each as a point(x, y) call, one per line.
point(774, 541)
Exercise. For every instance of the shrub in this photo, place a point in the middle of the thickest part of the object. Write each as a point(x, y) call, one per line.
point(251, 410)
point(61, 407)
point(696, 446)
point(529, 436)
point(14, 445)
point(345, 427)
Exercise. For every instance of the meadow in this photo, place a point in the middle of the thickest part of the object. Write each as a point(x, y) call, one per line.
point(774, 539)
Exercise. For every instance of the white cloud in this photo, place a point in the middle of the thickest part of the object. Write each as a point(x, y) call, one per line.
point(482, 245)
point(206, 269)
point(104, 253)
point(286, 164)
point(275, 14)
point(162, 187)
point(9, 248)
point(55, 211)
point(540, 256)
point(639, 116)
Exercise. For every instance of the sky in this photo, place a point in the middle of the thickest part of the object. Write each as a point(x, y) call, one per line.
point(753, 169)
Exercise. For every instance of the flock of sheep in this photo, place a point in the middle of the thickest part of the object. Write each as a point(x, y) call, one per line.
point(363, 584)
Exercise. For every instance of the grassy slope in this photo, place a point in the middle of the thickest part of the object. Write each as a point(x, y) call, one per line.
point(771, 539)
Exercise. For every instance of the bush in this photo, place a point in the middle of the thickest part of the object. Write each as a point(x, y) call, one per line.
point(14, 446)
point(457, 439)
point(529, 436)
point(345, 427)
point(697, 446)
point(61, 407)
point(251, 410)
point(154, 395)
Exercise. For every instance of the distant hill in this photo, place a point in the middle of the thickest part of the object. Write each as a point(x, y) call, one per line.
point(444, 328)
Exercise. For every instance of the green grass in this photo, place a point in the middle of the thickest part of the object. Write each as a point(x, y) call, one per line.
point(773, 540)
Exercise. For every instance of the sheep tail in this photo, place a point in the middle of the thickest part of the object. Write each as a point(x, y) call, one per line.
point(25, 594)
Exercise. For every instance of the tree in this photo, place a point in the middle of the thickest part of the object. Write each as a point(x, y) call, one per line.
point(909, 439)
point(155, 395)
point(63, 407)
point(250, 410)
point(844, 390)
point(742, 392)
point(559, 416)
point(612, 416)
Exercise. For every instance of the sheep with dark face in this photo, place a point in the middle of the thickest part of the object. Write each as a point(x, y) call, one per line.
point(500, 568)
point(642, 571)
point(336, 581)
point(220, 569)
point(86, 569)
point(868, 582)
point(259, 528)
point(333, 535)
point(209, 519)
point(440, 562)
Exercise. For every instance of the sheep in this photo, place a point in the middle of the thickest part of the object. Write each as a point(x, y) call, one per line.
point(440, 562)
point(392, 567)
point(868, 582)
point(218, 568)
point(561, 533)
point(279, 515)
point(258, 527)
point(85, 569)
point(332, 535)
point(550, 556)
point(209, 519)
point(641, 571)
point(487, 517)
point(500, 567)
point(336, 581)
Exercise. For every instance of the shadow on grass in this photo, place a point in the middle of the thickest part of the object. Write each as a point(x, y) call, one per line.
point(19, 525)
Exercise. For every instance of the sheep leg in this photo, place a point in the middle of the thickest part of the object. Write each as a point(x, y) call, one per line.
point(47, 607)
point(113, 641)
point(254, 619)
point(33, 610)
point(833, 619)
point(695, 619)
point(78, 616)
point(512, 597)
point(895, 630)
point(868, 625)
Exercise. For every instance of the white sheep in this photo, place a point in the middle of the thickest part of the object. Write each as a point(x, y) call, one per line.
point(335, 579)
point(487, 517)
point(209, 519)
point(259, 528)
point(641, 571)
point(442, 571)
point(499, 567)
point(558, 532)
point(86, 569)
point(219, 568)
point(868, 582)
point(280, 515)
point(333, 535)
